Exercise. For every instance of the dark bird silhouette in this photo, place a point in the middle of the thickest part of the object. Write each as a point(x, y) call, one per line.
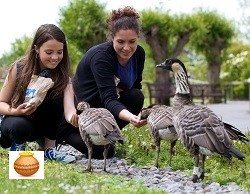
point(159, 120)
point(198, 127)
point(97, 126)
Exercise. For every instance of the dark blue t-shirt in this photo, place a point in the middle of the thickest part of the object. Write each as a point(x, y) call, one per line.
point(127, 74)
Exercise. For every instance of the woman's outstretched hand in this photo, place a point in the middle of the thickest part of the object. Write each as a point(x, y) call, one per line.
point(137, 122)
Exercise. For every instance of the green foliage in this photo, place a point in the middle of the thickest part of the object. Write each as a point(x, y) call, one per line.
point(149, 66)
point(162, 21)
point(184, 26)
point(213, 29)
point(18, 49)
point(236, 66)
point(236, 70)
point(184, 22)
point(75, 56)
point(84, 23)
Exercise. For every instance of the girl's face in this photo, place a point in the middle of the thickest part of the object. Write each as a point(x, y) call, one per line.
point(50, 54)
point(125, 44)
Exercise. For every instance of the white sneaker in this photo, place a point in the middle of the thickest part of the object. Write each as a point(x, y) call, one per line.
point(53, 154)
point(18, 147)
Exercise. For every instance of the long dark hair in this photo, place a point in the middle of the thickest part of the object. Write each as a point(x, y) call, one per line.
point(30, 64)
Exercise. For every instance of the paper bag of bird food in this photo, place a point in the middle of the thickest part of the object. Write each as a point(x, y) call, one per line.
point(37, 90)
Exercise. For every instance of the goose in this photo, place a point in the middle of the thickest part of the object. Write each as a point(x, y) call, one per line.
point(198, 127)
point(97, 126)
point(159, 121)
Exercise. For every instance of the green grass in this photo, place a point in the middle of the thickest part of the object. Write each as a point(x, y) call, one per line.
point(60, 178)
point(217, 168)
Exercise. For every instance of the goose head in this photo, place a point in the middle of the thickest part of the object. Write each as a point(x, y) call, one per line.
point(82, 106)
point(180, 73)
point(145, 112)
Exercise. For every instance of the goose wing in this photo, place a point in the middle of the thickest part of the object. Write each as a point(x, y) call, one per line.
point(99, 122)
point(199, 125)
point(160, 118)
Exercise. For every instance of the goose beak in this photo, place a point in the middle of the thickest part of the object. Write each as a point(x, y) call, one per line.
point(164, 65)
point(161, 65)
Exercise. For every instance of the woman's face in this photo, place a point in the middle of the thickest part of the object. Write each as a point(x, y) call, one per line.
point(50, 54)
point(125, 44)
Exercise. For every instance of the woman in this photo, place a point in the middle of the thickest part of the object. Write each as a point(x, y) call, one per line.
point(94, 81)
point(48, 57)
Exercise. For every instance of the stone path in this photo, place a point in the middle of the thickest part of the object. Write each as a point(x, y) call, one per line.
point(172, 182)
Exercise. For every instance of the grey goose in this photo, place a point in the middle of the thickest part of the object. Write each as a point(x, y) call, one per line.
point(97, 126)
point(159, 121)
point(198, 127)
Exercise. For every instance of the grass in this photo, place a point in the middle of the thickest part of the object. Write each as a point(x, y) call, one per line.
point(60, 178)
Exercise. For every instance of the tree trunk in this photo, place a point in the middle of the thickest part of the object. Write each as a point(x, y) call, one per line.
point(214, 66)
point(160, 52)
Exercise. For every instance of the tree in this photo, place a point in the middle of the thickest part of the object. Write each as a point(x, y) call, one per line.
point(214, 37)
point(84, 23)
point(167, 37)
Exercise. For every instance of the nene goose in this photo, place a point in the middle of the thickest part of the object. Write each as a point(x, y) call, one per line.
point(159, 120)
point(198, 127)
point(97, 126)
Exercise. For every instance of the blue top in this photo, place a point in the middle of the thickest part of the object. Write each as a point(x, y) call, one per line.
point(127, 74)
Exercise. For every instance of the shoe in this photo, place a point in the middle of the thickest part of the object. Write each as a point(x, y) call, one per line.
point(66, 148)
point(18, 147)
point(53, 154)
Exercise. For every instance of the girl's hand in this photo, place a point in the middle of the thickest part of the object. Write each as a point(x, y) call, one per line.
point(23, 109)
point(74, 120)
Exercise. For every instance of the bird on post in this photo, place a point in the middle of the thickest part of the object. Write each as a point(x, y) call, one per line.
point(198, 127)
point(97, 126)
point(159, 121)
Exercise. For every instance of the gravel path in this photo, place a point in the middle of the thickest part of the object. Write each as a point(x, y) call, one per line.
point(175, 182)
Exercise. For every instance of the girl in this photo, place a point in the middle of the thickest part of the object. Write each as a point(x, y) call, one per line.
point(47, 56)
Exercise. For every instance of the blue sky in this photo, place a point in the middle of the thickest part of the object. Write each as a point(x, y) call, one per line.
point(19, 18)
